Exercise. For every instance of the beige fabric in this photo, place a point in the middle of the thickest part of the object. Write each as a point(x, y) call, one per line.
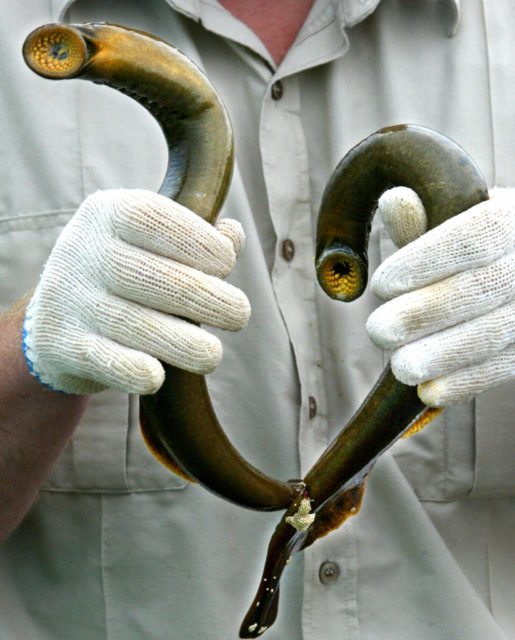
point(118, 548)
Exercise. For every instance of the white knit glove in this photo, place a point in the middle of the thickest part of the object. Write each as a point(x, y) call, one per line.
point(450, 318)
point(126, 265)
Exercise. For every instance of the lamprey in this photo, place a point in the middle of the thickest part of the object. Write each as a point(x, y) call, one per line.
point(448, 182)
point(178, 422)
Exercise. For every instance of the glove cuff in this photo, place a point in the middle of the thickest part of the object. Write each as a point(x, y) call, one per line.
point(29, 352)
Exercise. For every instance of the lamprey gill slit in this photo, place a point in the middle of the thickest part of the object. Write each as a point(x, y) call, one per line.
point(448, 182)
point(179, 419)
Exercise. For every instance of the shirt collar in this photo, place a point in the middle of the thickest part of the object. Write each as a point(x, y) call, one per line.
point(350, 12)
point(354, 11)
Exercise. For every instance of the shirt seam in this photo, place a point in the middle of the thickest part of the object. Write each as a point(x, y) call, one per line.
point(490, 104)
point(102, 568)
point(41, 214)
point(79, 139)
point(99, 491)
point(331, 17)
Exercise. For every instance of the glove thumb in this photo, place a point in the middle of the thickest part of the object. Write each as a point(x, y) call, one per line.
point(403, 215)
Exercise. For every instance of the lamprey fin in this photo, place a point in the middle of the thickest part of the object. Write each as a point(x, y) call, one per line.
point(179, 423)
point(422, 421)
point(335, 512)
point(285, 542)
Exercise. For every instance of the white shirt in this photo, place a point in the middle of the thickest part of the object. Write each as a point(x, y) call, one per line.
point(117, 547)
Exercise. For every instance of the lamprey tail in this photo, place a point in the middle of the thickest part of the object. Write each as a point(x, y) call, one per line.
point(448, 182)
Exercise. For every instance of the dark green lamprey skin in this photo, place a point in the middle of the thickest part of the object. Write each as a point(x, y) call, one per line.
point(448, 182)
point(178, 422)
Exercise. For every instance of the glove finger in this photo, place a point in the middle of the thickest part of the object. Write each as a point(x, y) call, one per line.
point(111, 364)
point(403, 215)
point(150, 221)
point(232, 230)
point(457, 347)
point(168, 338)
point(459, 298)
point(165, 285)
point(466, 383)
point(470, 240)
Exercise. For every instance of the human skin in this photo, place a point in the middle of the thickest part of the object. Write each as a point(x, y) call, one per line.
point(275, 23)
point(35, 424)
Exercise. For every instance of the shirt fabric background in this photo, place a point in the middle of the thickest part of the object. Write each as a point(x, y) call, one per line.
point(116, 547)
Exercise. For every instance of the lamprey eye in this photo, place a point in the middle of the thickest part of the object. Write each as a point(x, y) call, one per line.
point(55, 51)
point(341, 276)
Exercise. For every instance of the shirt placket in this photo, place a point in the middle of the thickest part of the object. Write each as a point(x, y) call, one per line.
point(330, 578)
point(286, 173)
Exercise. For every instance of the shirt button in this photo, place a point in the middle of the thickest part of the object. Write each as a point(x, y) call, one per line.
point(277, 90)
point(288, 250)
point(312, 407)
point(329, 572)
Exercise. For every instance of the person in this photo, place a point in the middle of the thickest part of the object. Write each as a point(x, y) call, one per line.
point(100, 540)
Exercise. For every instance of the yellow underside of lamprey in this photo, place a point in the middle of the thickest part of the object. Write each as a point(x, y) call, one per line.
point(422, 421)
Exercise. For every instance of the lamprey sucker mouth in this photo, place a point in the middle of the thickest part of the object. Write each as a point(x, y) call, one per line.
point(448, 182)
point(55, 51)
point(341, 274)
point(179, 419)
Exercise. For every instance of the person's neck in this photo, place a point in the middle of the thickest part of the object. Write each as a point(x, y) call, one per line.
point(275, 22)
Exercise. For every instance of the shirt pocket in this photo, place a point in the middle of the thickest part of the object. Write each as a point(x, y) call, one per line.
point(468, 450)
point(495, 443)
point(106, 452)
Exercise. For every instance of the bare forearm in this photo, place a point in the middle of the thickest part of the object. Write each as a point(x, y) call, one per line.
point(35, 424)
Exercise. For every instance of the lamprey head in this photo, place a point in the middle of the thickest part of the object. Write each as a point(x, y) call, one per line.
point(55, 51)
point(342, 273)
